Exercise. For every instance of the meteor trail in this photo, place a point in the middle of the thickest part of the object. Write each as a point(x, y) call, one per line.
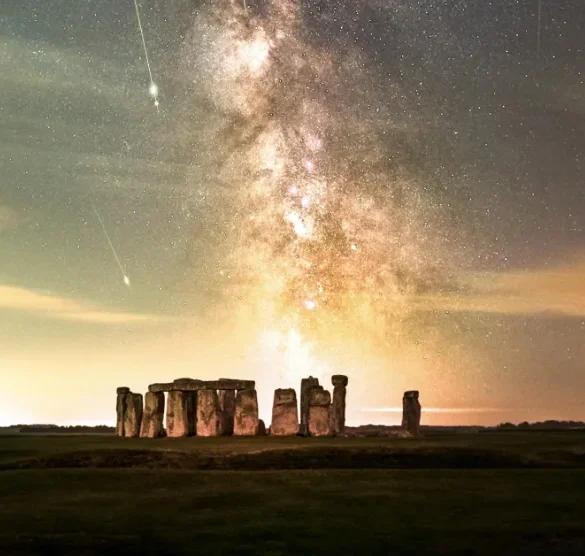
point(126, 279)
point(153, 88)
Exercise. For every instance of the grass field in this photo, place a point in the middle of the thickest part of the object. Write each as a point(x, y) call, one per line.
point(486, 493)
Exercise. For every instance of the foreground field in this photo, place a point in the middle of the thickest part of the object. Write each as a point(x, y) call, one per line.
point(171, 507)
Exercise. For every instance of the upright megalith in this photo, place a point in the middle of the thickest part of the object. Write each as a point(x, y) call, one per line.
point(227, 404)
point(180, 413)
point(133, 415)
point(209, 417)
point(319, 408)
point(338, 408)
point(246, 414)
point(411, 412)
point(306, 385)
point(121, 404)
point(285, 415)
point(152, 418)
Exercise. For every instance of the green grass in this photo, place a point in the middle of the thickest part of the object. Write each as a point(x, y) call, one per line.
point(150, 505)
point(293, 512)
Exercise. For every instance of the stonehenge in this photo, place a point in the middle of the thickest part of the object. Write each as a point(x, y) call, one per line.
point(306, 385)
point(411, 411)
point(285, 416)
point(180, 413)
point(209, 420)
point(133, 415)
point(338, 406)
point(319, 408)
point(246, 414)
point(152, 416)
point(229, 407)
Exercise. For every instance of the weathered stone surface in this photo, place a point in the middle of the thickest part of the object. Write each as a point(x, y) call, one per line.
point(192, 385)
point(261, 428)
point(306, 385)
point(180, 413)
point(209, 416)
point(285, 415)
point(411, 411)
point(227, 404)
point(246, 415)
point(339, 380)
point(319, 409)
point(338, 406)
point(121, 404)
point(152, 418)
point(133, 415)
point(122, 390)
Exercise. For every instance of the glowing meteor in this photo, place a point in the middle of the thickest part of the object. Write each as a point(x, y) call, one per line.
point(125, 276)
point(153, 87)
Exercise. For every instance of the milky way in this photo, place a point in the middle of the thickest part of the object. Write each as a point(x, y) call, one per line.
point(328, 236)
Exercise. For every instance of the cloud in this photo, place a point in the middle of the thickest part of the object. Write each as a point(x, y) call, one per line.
point(559, 290)
point(51, 306)
point(439, 409)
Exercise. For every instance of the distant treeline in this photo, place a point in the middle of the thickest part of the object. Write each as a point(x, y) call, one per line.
point(544, 425)
point(69, 429)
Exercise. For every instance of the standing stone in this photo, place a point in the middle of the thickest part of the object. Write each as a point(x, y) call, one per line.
point(338, 407)
point(133, 415)
point(152, 418)
point(411, 412)
point(227, 404)
point(209, 416)
point(285, 415)
point(261, 428)
point(306, 385)
point(246, 415)
point(319, 409)
point(121, 404)
point(180, 413)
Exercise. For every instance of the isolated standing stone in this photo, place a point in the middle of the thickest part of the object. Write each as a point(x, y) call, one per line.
point(338, 407)
point(285, 415)
point(133, 415)
point(411, 412)
point(121, 404)
point(319, 408)
point(246, 415)
point(227, 404)
point(209, 417)
point(306, 385)
point(180, 413)
point(152, 418)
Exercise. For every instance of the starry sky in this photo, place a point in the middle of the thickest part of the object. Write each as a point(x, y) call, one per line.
point(392, 190)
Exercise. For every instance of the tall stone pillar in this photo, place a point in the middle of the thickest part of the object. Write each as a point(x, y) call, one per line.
point(285, 415)
point(319, 409)
point(133, 415)
point(306, 385)
point(411, 411)
point(152, 418)
point(338, 408)
point(246, 415)
point(180, 413)
point(121, 404)
point(227, 404)
point(209, 417)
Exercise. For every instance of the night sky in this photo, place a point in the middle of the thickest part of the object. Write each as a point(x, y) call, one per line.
point(388, 189)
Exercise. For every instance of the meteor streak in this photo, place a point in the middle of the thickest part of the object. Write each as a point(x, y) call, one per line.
point(153, 87)
point(125, 276)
